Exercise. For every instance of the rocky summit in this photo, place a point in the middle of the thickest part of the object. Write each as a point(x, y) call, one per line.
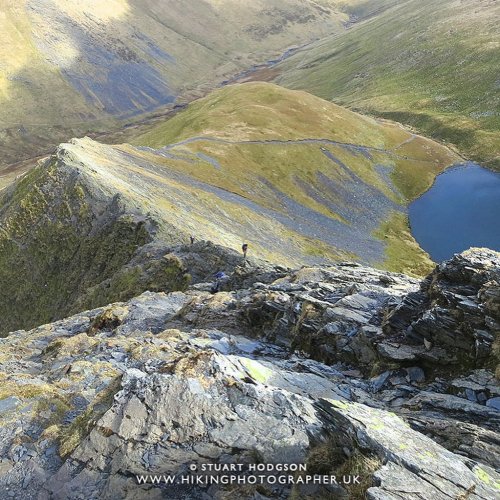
point(344, 369)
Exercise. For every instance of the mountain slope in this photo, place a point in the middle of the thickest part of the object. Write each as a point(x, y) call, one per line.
point(67, 68)
point(267, 143)
point(433, 65)
point(96, 223)
point(263, 112)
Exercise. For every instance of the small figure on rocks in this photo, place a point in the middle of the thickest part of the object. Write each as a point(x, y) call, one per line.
point(220, 278)
point(244, 249)
point(191, 238)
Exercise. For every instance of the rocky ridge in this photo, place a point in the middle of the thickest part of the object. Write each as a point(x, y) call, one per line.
point(73, 237)
point(345, 368)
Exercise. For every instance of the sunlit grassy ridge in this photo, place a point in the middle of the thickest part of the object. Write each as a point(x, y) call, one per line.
point(433, 65)
point(276, 147)
point(265, 112)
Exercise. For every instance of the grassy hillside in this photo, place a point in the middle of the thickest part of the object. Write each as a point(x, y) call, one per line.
point(266, 112)
point(293, 152)
point(432, 65)
point(68, 68)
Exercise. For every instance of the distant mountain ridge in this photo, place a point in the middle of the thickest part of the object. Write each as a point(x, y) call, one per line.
point(431, 65)
point(68, 68)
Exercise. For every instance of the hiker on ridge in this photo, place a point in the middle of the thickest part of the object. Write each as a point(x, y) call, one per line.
point(244, 248)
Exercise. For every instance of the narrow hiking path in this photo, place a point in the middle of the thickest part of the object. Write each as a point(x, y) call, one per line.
point(284, 142)
point(404, 143)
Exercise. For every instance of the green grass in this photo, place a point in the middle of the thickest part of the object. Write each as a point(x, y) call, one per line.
point(264, 112)
point(403, 254)
point(38, 106)
point(432, 65)
point(54, 256)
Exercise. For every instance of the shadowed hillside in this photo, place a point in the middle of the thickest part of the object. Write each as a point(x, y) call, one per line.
point(68, 68)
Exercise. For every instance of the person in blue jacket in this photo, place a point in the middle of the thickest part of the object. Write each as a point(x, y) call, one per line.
point(220, 279)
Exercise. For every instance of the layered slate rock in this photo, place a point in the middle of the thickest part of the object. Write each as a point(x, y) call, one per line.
point(457, 309)
point(285, 370)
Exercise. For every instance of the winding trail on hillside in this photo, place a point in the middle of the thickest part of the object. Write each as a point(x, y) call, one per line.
point(353, 232)
point(284, 142)
point(407, 141)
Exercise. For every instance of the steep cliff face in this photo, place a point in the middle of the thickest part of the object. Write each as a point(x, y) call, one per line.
point(315, 366)
point(67, 243)
point(95, 224)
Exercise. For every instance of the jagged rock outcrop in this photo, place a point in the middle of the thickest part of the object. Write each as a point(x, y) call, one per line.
point(294, 367)
point(456, 309)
